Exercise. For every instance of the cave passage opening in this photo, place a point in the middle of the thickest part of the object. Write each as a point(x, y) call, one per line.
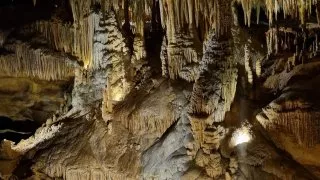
point(17, 130)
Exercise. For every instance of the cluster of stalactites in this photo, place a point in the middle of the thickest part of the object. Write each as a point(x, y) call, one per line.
point(247, 6)
point(80, 9)
point(206, 14)
point(138, 11)
point(280, 39)
point(77, 41)
point(35, 63)
point(293, 8)
point(299, 42)
point(141, 11)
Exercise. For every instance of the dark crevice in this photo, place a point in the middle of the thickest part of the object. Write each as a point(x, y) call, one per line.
point(14, 14)
point(17, 130)
point(153, 39)
point(126, 28)
point(23, 170)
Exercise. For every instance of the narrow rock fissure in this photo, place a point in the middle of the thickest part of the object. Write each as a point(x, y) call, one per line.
point(17, 130)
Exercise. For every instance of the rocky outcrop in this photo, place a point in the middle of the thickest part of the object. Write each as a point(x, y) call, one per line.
point(294, 114)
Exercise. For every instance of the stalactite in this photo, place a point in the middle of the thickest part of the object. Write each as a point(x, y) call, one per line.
point(187, 24)
point(35, 63)
point(198, 126)
point(139, 52)
point(139, 11)
point(272, 41)
point(77, 40)
point(247, 6)
point(293, 8)
point(80, 9)
point(303, 44)
point(208, 139)
point(280, 39)
point(175, 14)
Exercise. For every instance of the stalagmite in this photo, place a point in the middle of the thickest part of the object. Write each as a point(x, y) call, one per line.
point(139, 53)
point(118, 56)
point(258, 68)
point(247, 63)
point(214, 99)
point(164, 58)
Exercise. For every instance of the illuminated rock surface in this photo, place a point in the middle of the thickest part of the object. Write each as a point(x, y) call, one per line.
point(159, 89)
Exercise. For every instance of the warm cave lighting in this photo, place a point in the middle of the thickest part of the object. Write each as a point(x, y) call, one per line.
point(241, 135)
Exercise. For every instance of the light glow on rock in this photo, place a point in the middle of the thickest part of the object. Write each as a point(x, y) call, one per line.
point(241, 135)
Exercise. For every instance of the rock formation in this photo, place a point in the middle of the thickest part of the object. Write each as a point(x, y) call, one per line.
point(160, 89)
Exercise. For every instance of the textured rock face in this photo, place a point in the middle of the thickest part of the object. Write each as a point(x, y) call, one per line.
point(295, 114)
point(162, 89)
